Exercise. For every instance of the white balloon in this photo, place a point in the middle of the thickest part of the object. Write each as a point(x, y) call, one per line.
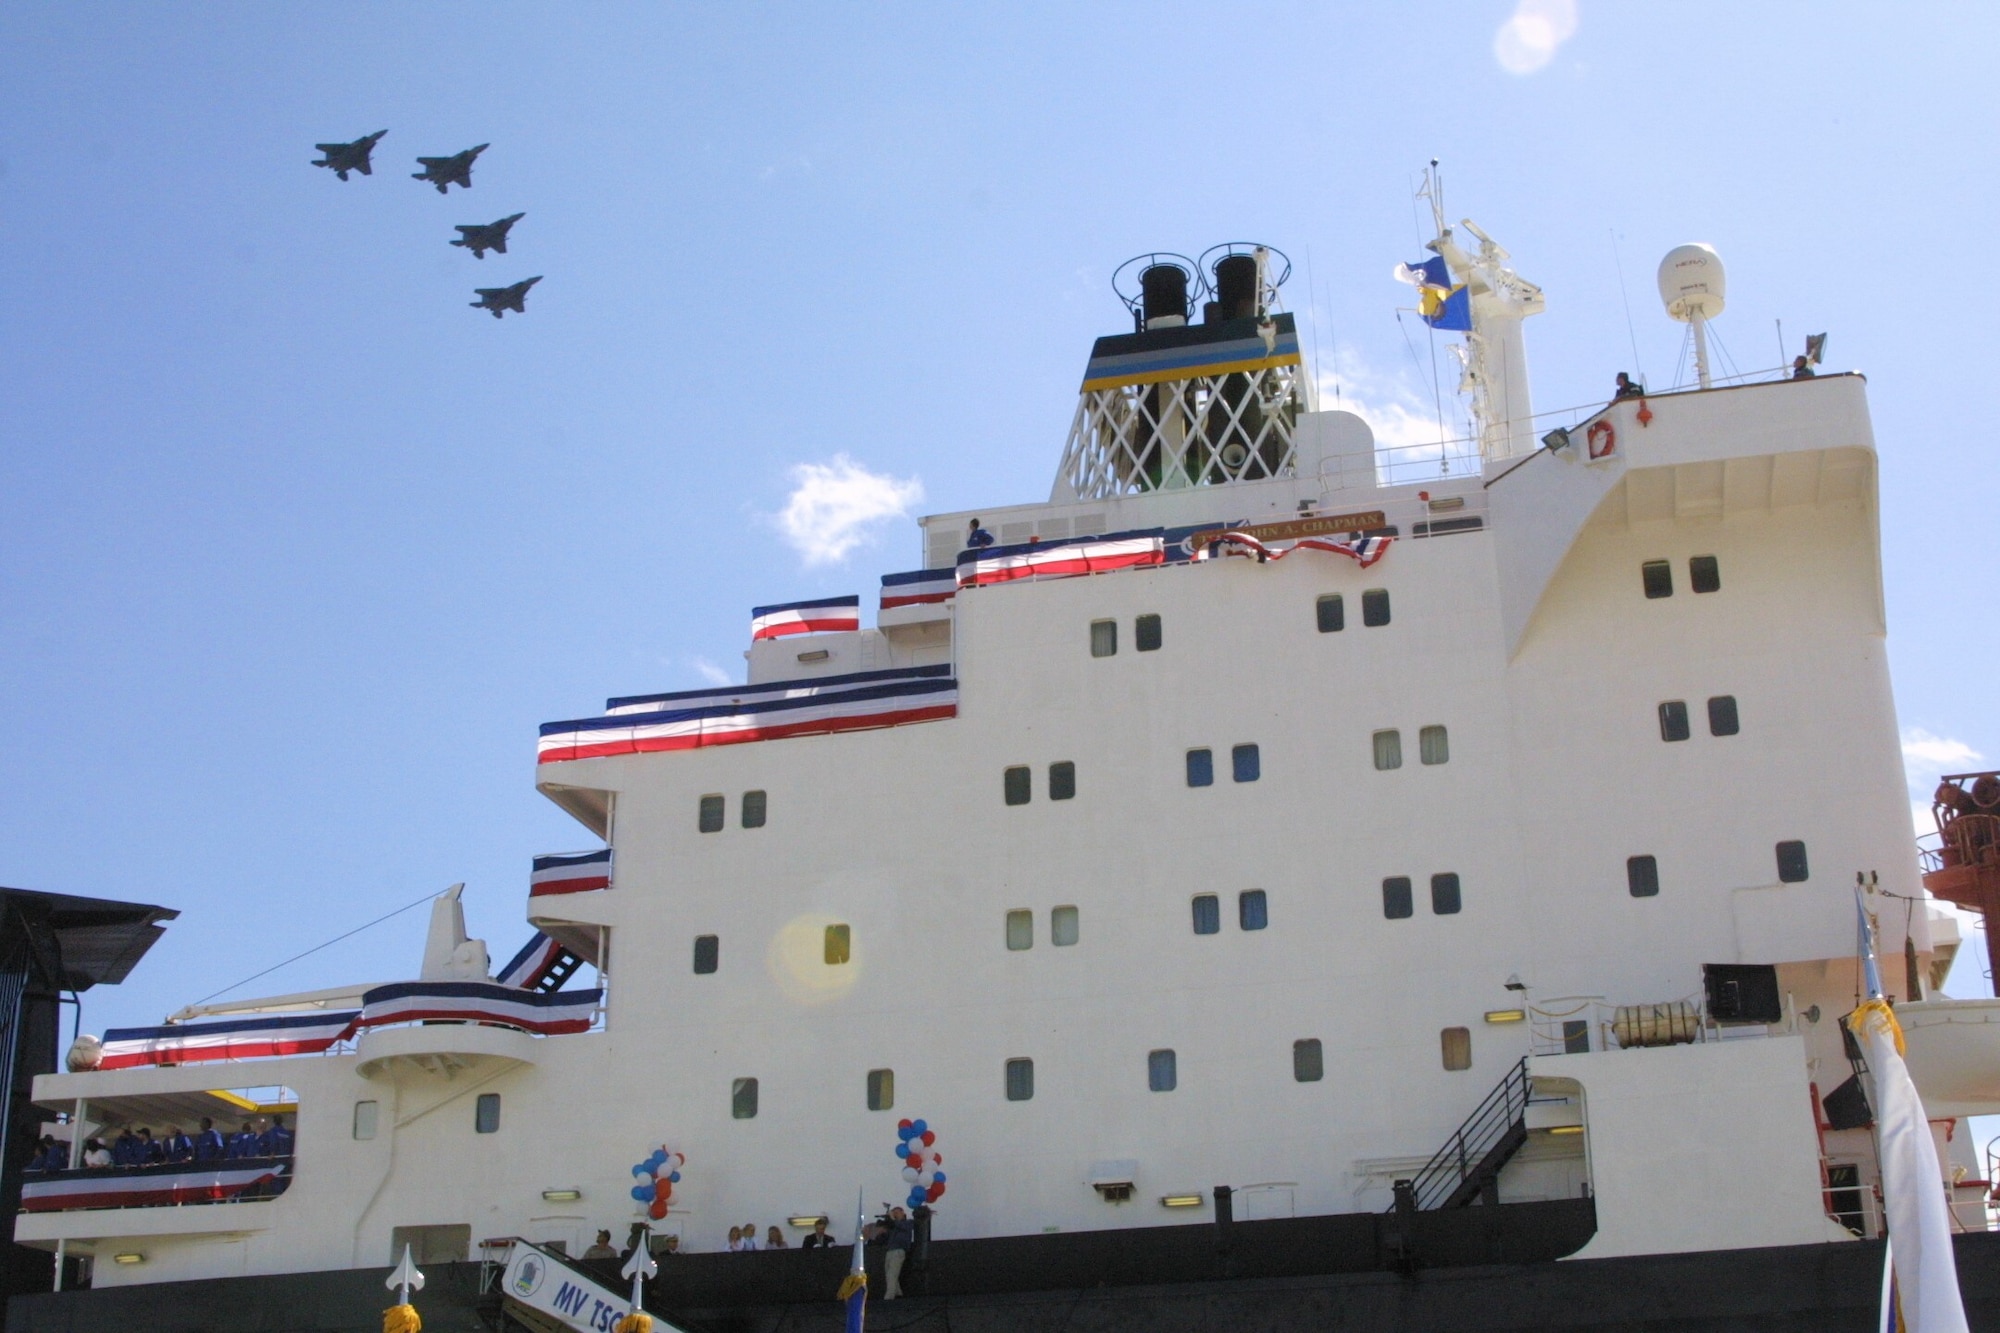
point(910, 1175)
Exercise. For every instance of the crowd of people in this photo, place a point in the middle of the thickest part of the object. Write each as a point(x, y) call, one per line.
point(136, 1146)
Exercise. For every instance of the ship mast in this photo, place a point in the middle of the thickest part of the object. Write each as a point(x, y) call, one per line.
point(1494, 355)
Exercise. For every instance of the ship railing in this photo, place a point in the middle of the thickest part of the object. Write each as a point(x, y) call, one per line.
point(1457, 1166)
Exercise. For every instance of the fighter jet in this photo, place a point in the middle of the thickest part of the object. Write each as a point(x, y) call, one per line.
point(443, 172)
point(492, 236)
point(499, 299)
point(346, 157)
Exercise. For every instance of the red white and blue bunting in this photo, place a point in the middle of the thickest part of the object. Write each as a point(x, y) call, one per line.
point(1061, 559)
point(860, 701)
point(546, 1014)
point(258, 1038)
point(918, 587)
point(1365, 551)
point(570, 872)
point(153, 1186)
point(825, 616)
point(531, 966)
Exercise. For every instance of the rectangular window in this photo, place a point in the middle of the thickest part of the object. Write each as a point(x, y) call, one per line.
point(743, 1099)
point(709, 820)
point(486, 1113)
point(1375, 607)
point(1244, 765)
point(1104, 638)
point(1704, 575)
point(1576, 1036)
point(881, 1089)
point(1791, 862)
point(1642, 876)
point(839, 942)
point(1020, 1080)
point(1397, 901)
point(1457, 1044)
point(1444, 894)
point(1207, 914)
point(1252, 910)
point(1722, 715)
point(707, 953)
point(1433, 746)
point(1020, 930)
point(753, 809)
point(1065, 927)
point(1332, 613)
point(1674, 720)
point(1161, 1075)
point(1014, 785)
point(1308, 1061)
point(1388, 750)
point(366, 1116)
point(1657, 576)
point(1062, 781)
point(1146, 634)
point(1200, 768)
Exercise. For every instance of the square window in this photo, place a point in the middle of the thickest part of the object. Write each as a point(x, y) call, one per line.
point(1433, 746)
point(707, 953)
point(753, 809)
point(1308, 1061)
point(1062, 781)
point(881, 1089)
point(1252, 910)
point(1146, 634)
point(486, 1113)
point(1722, 719)
point(1388, 750)
point(1642, 876)
point(1200, 768)
point(366, 1116)
point(1457, 1044)
point(1244, 765)
point(1791, 862)
point(1161, 1075)
point(1104, 638)
point(1020, 1080)
point(1020, 930)
point(1657, 577)
point(1674, 720)
point(1397, 901)
point(1207, 914)
point(1444, 894)
point(1065, 927)
point(709, 820)
point(1576, 1036)
point(1332, 613)
point(743, 1099)
point(1704, 575)
point(839, 942)
point(1375, 607)
point(1015, 785)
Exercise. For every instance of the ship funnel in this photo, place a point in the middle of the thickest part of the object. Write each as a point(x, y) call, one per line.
point(1163, 295)
point(1236, 287)
point(1692, 287)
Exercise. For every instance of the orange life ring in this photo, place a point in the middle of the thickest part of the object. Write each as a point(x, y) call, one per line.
point(1602, 439)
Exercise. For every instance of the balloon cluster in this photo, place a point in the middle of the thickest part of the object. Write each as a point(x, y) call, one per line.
point(921, 1160)
point(658, 1175)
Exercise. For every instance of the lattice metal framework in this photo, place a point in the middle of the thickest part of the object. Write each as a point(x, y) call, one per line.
point(1203, 431)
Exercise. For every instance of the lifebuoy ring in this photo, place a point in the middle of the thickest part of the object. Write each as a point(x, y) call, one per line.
point(1602, 440)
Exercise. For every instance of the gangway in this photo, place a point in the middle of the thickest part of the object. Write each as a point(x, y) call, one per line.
point(548, 1291)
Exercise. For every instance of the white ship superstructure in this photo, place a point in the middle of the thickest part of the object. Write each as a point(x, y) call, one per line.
point(1248, 814)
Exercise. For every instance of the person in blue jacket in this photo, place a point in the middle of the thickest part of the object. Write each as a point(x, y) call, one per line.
point(275, 1141)
point(177, 1146)
point(243, 1143)
point(150, 1153)
point(976, 537)
point(208, 1146)
point(125, 1149)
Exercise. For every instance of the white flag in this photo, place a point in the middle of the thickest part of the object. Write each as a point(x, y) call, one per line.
point(1912, 1183)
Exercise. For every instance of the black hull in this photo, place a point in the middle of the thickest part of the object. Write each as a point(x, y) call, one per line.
point(1085, 1281)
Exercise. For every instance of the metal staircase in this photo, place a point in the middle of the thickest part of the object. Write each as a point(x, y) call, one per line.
point(1468, 1167)
point(562, 969)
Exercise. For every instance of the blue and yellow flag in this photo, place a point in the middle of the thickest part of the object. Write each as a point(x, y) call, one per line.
point(1441, 304)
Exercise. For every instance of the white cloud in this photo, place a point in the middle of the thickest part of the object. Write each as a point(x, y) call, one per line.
point(709, 671)
point(1404, 417)
point(1926, 758)
point(833, 506)
point(1530, 37)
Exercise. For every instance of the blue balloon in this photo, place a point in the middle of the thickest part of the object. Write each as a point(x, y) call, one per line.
point(902, 1151)
point(916, 1198)
point(938, 1176)
point(919, 1127)
point(907, 1133)
point(675, 1177)
point(641, 1194)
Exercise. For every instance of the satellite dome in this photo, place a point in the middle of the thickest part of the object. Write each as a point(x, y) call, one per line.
point(86, 1053)
point(1692, 282)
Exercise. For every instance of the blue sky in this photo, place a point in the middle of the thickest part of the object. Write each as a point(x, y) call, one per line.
point(298, 549)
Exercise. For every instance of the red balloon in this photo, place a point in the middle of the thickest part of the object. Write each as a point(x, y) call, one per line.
point(930, 1137)
point(662, 1188)
point(914, 1159)
point(904, 1124)
point(935, 1192)
point(937, 1159)
point(658, 1210)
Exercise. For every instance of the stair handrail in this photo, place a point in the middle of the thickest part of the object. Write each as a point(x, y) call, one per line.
point(1503, 1108)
